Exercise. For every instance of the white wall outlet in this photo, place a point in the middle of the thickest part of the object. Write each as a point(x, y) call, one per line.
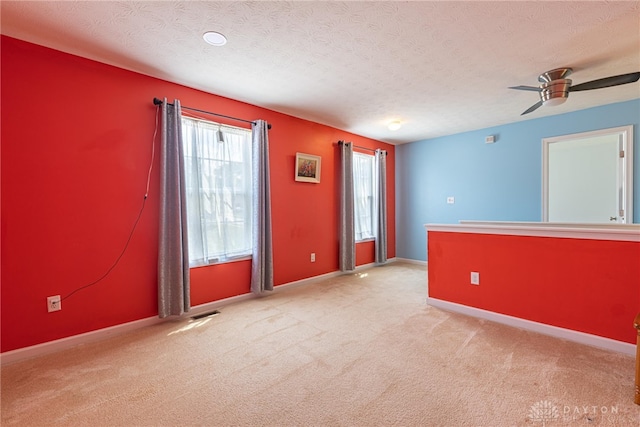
point(475, 278)
point(54, 303)
point(313, 257)
point(451, 200)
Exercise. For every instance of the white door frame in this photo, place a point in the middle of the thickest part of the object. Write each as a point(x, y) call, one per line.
point(625, 174)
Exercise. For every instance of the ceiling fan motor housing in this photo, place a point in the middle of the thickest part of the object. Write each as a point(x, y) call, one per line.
point(555, 92)
point(555, 87)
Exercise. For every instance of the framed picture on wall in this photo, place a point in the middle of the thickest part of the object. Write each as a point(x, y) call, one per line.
point(308, 168)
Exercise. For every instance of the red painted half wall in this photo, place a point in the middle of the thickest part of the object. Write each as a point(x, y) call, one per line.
point(77, 139)
point(591, 286)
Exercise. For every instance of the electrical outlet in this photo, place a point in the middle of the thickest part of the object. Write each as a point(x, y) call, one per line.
point(54, 303)
point(313, 257)
point(475, 278)
point(451, 200)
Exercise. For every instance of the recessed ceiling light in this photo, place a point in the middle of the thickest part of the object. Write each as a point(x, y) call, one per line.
point(214, 38)
point(394, 125)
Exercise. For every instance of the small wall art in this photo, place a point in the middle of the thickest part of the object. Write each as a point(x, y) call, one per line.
point(308, 168)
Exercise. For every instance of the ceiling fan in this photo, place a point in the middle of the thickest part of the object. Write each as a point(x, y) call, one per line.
point(555, 87)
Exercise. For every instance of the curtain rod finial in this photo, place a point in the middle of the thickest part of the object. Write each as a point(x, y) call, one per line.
point(157, 101)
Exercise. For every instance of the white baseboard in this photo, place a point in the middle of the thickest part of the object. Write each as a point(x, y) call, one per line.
point(529, 325)
point(412, 261)
point(42, 349)
point(74, 340)
point(327, 276)
point(306, 281)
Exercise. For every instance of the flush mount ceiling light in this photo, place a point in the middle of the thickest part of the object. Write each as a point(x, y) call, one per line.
point(394, 125)
point(214, 38)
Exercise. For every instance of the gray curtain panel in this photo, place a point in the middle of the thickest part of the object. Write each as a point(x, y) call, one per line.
point(173, 253)
point(262, 257)
point(347, 227)
point(381, 232)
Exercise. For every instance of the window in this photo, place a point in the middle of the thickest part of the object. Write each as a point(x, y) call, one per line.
point(218, 187)
point(364, 195)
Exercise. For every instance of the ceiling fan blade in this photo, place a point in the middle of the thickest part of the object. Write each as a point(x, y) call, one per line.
point(531, 88)
point(534, 107)
point(607, 82)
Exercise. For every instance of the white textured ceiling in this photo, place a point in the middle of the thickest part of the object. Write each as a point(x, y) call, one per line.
point(439, 67)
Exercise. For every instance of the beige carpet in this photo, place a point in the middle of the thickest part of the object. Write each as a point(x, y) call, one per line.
point(357, 350)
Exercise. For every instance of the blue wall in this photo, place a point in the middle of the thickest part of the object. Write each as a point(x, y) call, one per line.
point(494, 182)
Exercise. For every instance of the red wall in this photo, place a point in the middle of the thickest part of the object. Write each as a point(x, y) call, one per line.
point(591, 286)
point(76, 146)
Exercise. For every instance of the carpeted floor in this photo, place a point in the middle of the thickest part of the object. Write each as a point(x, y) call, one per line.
point(356, 350)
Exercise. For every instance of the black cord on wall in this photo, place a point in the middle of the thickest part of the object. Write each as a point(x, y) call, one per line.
point(135, 224)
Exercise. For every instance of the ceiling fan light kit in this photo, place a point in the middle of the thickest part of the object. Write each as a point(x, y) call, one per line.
point(555, 87)
point(555, 92)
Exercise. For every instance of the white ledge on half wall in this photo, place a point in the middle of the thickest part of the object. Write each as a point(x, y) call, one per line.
point(621, 232)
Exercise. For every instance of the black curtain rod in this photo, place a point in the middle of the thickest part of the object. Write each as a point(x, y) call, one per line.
point(362, 148)
point(157, 101)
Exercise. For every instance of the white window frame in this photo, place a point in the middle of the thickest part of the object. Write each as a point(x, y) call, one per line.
point(364, 195)
point(222, 179)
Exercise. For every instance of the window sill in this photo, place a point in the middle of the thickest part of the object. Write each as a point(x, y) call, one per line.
point(368, 239)
point(220, 261)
